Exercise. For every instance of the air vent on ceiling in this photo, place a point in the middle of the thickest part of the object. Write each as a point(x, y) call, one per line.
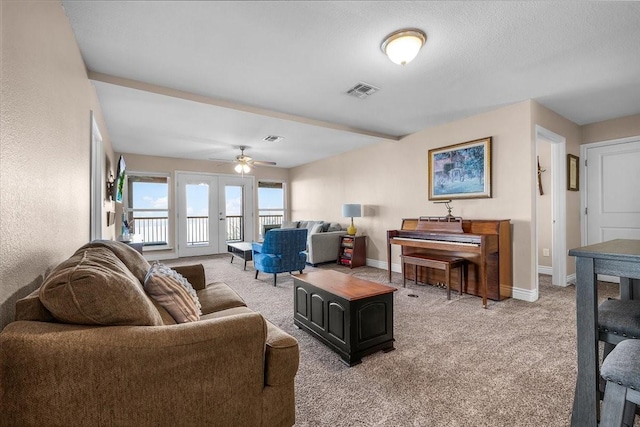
point(362, 90)
point(273, 138)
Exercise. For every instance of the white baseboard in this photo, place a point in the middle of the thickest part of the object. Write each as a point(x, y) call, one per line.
point(543, 269)
point(529, 295)
point(383, 265)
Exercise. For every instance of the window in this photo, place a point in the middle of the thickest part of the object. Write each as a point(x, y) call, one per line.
point(270, 204)
point(148, 207)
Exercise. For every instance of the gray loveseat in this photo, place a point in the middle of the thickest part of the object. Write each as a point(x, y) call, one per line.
point(323, 239)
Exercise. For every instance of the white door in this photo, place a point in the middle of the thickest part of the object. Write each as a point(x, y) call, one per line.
point(212, 209)
point(613, 196)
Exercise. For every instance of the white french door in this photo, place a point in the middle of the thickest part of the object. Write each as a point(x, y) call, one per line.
point(212, 209)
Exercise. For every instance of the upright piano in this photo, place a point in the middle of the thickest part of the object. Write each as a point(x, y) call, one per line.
point(485, 244)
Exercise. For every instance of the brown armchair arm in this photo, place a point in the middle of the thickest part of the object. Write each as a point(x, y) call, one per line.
point(187, 374)
point(194, 274)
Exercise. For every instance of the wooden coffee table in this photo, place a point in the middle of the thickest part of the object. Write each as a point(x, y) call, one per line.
point(354, 317)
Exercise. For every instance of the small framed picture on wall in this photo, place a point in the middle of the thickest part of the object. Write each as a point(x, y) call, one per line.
point(573, 173)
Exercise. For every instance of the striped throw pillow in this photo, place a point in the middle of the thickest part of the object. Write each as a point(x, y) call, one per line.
point(171, 295)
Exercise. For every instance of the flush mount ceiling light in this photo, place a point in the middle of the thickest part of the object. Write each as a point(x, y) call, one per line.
point(403, 45)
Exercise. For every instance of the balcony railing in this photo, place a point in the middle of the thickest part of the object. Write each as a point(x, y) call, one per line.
point(154, 230)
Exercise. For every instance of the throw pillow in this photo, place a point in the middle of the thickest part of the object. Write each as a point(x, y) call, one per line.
point(94, 287)
point(289, 224)
point(173, 292)
point(334, 226)
point(316, 229)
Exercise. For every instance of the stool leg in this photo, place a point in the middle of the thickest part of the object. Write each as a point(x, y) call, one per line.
point(463, 277)
point(415, 274)
point(613, 405)
point(404, 275)
point(447, 276)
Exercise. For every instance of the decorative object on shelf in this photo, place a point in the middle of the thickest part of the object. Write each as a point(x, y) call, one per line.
point(540, 170)
point(449, 209)
point(573, 173)
point(352, 210)
point(402, 46)
point(461, 171)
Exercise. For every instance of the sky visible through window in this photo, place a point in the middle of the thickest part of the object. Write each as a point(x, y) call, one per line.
point(148, 195)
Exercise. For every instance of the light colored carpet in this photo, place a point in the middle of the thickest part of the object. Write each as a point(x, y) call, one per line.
point(455, 364)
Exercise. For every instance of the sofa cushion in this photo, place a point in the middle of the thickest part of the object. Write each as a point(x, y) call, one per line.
point(219, 296)
point(227, 312)
point(131, 258)
point(94, 287)
point(290, 224)
point(31, 308)
point(172, 294)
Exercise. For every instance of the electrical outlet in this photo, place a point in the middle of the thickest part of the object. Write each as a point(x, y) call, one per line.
point(545, 252)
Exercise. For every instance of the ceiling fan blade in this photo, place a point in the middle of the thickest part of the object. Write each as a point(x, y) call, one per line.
point(260, 162)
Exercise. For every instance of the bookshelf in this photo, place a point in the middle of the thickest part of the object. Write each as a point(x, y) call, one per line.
point(353, 251)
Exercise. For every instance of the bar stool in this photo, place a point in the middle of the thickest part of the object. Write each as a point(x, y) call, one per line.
point(621, 369)
point(618, 320)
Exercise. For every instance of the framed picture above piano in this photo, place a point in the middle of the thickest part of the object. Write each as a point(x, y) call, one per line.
point(461, 171)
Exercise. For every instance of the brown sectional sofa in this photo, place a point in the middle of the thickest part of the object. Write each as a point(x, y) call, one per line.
point(230, 368)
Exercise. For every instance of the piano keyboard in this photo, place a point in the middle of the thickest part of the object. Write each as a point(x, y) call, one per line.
point(444, 242)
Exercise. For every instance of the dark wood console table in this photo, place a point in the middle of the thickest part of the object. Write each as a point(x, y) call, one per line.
point(619, 258)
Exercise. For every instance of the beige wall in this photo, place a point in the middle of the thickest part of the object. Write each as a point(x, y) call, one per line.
point(45, 126)
point(390, 180)
point(140, 163)
point(622, 127)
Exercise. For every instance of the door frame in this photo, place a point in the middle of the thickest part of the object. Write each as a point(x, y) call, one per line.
point(583, 178)
point(558, 203)
point(96, 183)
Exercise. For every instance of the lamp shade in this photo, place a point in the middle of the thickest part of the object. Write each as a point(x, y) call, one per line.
point(352, 210)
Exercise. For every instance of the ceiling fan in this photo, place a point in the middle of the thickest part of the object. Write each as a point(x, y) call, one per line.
point(244, 163)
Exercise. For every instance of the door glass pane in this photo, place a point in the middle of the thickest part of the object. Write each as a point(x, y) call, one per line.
point(197, 198)
point(234, 207)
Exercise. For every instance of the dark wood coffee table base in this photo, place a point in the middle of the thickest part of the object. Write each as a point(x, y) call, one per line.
point(241, 250)
point(353, 324)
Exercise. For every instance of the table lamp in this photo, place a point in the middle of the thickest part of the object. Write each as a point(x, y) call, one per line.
point(352, 210)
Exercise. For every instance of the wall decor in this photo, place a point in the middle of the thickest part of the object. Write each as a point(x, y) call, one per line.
point(461, 171)
point(573, 173)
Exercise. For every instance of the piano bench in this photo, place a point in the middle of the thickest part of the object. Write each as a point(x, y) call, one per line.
point(439, 262)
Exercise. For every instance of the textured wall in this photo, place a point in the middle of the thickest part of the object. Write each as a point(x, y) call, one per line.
point(45, 124)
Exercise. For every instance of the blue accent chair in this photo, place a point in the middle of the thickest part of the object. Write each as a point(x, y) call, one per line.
point(282, 251)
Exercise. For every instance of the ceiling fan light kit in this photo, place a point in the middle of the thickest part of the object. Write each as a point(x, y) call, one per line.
point(244, 163)
point(402, 46)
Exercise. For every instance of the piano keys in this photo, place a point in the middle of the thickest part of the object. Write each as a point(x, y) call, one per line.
point(485, 244)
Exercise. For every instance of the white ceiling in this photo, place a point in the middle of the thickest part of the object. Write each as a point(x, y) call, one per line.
point(240, 71)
